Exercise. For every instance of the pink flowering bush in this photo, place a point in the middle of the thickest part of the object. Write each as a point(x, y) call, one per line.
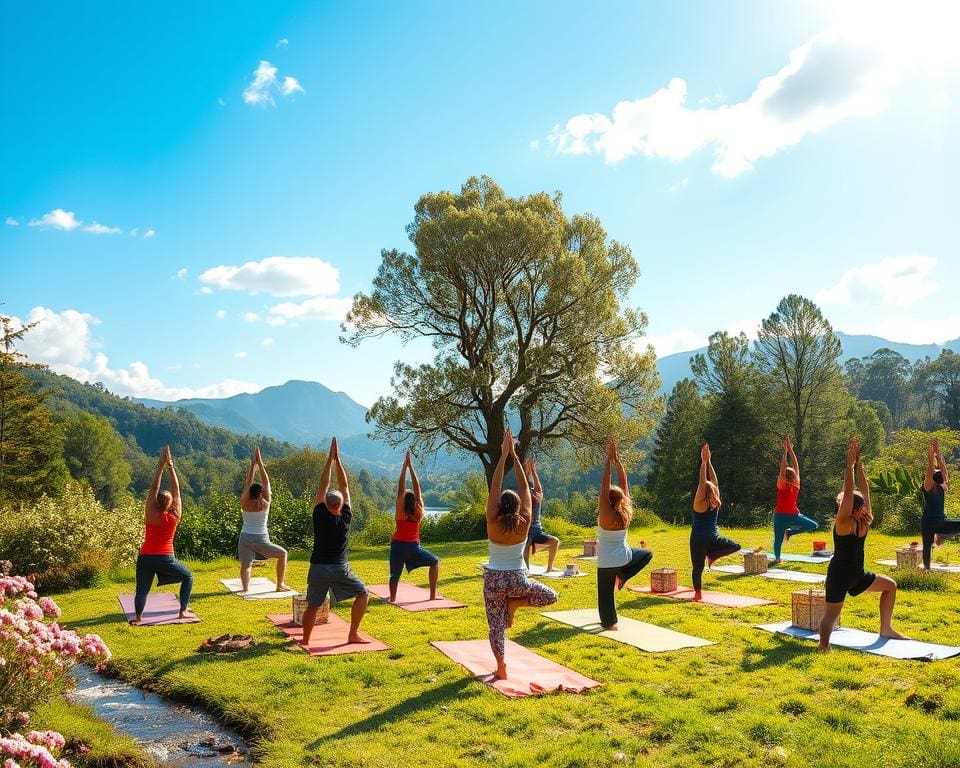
point(35, 653)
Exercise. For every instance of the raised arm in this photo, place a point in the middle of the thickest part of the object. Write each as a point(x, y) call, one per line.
point(604, 510)
point(532, 473)
point(943, 464)
point(700, 501)
point(864, 485)
point(621, 474)
point(793, 458)
point(151, 510)
point(845, 510)
point(342, 483)
point(402, 485)
point(496, 482)
point(324, 486)
point(415, 482)
point(931, 466)
point(266, 493)
point(245, 494)
point(782, 477)
point(175, 506)
point(523, 487)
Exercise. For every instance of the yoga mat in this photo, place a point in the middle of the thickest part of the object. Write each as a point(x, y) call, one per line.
point(410, 597)
point(586, 557)
point(774, 573)
point(721, 599)
point(933, 566)
point(646, 637)
point(788, 558)
point(261, 588)
point(869, 642)
point(533, 570)
point(528, 673)
point(557, 573)
point(161, 608)
point(327, 639)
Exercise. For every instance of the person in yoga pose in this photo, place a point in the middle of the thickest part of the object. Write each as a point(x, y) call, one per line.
point(934, 526)
point(506, 585)
point(536, 535)
point(706, 543)
point(156, 558)
point(254, 537)
point(405, 548)
point(787, 520)
point(617, 562)
point(330, 569)
point(846, 574)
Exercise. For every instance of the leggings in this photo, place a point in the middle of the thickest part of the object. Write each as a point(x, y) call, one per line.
point(793, 523)
point(501, 586)
point(167, 570)
point(607, 579)
point(703, 547)
point(930, 529)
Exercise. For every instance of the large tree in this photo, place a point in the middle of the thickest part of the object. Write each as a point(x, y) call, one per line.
point(886, 377)
point(938, 382)
point(94, 452)
point(525, 308)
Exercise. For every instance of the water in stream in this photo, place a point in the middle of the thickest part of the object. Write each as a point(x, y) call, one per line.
point(174, 734)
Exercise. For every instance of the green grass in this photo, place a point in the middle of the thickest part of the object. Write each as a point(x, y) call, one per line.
point(753, 699)
point(80, 726)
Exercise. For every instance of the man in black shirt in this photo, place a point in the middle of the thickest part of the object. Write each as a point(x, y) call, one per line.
point(329, 568)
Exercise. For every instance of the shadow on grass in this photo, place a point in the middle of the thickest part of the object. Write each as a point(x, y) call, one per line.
point(399, 712)
point(546, 632)
point(198, 659)
point(757, 657)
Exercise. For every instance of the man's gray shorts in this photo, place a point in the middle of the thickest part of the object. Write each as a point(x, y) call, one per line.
point(337, 578)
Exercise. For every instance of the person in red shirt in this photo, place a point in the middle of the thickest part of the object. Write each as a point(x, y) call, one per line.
point(156, 558)
point(787, 520)
point(405, 548)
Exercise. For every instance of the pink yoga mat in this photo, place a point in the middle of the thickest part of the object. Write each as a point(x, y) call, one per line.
point(327, 639)
point(528, 674)
point(410, 597)
point(161, 608)
point(722, 599)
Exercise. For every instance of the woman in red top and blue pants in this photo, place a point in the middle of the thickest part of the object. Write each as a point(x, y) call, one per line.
point(787, 520)
point(405, 549)
point(156, 558)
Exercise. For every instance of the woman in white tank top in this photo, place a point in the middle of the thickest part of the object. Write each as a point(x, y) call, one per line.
point(254, 537)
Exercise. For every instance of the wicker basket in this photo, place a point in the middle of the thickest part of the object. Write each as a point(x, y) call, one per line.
point(589, 548)
point(755, 562)
point(909, 557)
point(663, 580)
point(300, 605)
point(807, 606)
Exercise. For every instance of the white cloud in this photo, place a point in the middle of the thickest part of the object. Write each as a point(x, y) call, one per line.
point(221, 313)
point(283, 42)
point(267, 342)
point(57, 219)
point(251, 317)
point(182, 273)
point(849, 70)
point(266, 82)
point(12, 222)
point(101, 229)
point(907, 329)
point(133, 232)
point(206, 290)
point(676, 341)
point(148, 234)
point(897, 280)
point(60, 338)
point(239, 355)
point(320, 308)
point(535, 145)
point(682, 184)
point(277, 276)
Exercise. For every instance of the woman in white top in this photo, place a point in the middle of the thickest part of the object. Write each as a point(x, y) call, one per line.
point(254, 538)
point(506, 585)
point(616, 560)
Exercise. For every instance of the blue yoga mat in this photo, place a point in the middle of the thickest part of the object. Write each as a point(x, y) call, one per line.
point(788, 558)
point(869, 642)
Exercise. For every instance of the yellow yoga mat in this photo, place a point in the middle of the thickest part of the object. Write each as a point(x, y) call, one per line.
point(639, 634)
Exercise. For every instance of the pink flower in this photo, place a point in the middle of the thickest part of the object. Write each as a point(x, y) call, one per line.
point(50, 609)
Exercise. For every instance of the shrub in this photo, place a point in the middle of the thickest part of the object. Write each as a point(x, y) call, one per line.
point(455, 525)
point(378, 530)
point(922, 581)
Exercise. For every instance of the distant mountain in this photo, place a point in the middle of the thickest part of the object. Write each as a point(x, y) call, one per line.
point(677, 366)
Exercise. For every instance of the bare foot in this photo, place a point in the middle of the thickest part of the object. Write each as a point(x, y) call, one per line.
point(777, 561)
point(433, 597)
point(501, 672)
point(697, 596)
point(183, 613)
point(824, 646)
point(892, 634)
point(284, 588)
point(305, 642)
point(135, 622)
point(611, 628)
point(357, 639)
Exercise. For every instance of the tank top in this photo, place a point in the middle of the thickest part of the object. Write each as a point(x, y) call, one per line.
point(506, 557)
point(158, 538)
point(535, 522)
point(705, 523)
point(934, 503)
point(787, 499)
point(407, 530)
point(848, 549)
point(255, 522)
point(612, 548)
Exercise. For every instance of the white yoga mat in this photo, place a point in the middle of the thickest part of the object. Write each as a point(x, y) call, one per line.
point(774, 573)
point(788, 558)
point(261, 588)
point(639, 634)
point(869, 642)
point(933, 566)
point(541, 570)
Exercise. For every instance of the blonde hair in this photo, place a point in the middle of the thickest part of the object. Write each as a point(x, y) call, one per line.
point(164, 500)
point(621, 505)
point(791, 474)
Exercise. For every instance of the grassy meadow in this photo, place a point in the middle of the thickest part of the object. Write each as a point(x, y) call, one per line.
point(753, 699)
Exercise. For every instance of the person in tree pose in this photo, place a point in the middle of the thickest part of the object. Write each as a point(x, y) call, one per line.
point(617, 562)
point(846, 574)
point(405, 548)
point(254, 537)
point(330, 569)
point(156, 558)
point(706, 543)
point(506, 585)
point(536, 535)
point(934, 526)
point(787, 520)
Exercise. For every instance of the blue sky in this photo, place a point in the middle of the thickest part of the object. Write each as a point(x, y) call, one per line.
point(743, 150)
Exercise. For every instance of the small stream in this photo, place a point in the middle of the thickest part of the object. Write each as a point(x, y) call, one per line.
point(173, 734)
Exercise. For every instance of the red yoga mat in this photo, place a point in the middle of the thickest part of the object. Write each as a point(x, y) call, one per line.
point(721, 599)
point(161, 608)
point(410, 597)
point(528, 673)
point(326, 639)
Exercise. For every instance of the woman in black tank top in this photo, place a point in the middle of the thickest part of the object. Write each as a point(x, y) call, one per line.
point(846, 574)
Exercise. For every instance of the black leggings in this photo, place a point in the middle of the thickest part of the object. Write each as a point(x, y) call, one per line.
point(931, 529)
point(607, 580)
point(702, 547)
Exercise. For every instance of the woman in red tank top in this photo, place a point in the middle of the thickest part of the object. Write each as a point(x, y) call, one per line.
point(156, 558)
point(405, 549)
point(787, 520)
